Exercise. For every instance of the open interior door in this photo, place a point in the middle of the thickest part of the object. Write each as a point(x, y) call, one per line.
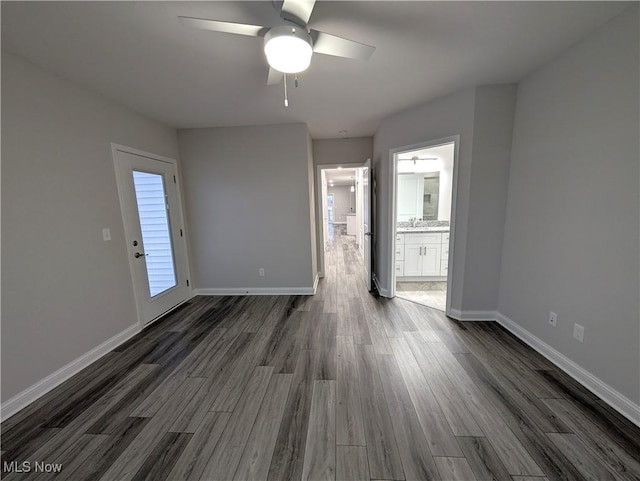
point(366, 220)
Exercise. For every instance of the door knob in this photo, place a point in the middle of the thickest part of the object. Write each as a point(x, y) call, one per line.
point(138, 254)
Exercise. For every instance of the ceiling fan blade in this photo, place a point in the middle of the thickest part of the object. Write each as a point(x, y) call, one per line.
point(225, 27)
point(297, 11)
point(275, 77)
point(340, 47)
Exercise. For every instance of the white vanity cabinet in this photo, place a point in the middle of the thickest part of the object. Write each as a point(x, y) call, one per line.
point(422, 254)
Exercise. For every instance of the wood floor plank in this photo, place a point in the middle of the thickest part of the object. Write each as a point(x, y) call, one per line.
point(412, 443)
point(434, 424)
point(607, 450)
point(102, 458)
point(75, 453)
point(514, 395)
point(622, 431)
point(483, 459)
point(320, 451)
point(529, 478)
point(58, 444)
point(382, 450)
point(513, 454)
point(326, 368)
point(161, 460)
point(454, 469)
point(582, 457)
point(351, 463)
point(218, 375)
point(538, 445)
point(349, 420)
point(196, 454)
point(377, 333)
point(360, 328)
point(134, 456)
point(231, 392)
point(451, 402)
point(288, 454)
point(228, 451)
point(256, 458)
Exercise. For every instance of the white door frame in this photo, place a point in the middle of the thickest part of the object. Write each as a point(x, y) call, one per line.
point(183, 245)
point(319, 204)
point(393, 186)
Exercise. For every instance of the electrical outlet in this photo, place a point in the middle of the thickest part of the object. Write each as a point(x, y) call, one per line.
point(106, 234)
point(578, 332)
point(553, 318)
point(261, 272)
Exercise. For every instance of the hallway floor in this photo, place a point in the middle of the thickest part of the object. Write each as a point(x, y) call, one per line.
point(341, 385)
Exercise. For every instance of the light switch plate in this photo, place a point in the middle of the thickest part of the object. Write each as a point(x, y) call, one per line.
point(578, 332)
point(106, 234)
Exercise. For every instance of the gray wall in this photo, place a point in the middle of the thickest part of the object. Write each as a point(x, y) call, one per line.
point(248, 206)
point(64, 290)
point(341, 195)
point(483, 118)
point(342, 151)
point(492, 131)
point(445, 117)
point(571, 234)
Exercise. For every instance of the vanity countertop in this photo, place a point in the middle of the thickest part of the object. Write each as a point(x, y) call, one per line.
point(418, 229)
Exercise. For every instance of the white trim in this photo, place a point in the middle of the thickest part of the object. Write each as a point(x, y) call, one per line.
point(473, 315)
point(39, 389)
point(256, 291)
point(613, 398)
point(315, 283)
point(393, 187)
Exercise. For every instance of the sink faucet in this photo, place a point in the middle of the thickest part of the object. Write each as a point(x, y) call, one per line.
point(413, 221)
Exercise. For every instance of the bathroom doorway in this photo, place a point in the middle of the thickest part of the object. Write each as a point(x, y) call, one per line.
point(423, 209)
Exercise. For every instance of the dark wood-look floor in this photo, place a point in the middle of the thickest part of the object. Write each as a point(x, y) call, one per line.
point(341, 385)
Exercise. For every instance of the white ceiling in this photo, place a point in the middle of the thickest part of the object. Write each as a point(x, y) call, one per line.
point(138, 54)
point(340, 176)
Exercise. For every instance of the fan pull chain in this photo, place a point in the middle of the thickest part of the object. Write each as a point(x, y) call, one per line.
point(286, 99)
point(296, 80)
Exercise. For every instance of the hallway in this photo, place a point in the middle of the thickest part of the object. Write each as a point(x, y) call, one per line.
point(341, 385)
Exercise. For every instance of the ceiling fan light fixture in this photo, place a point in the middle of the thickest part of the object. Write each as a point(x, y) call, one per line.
point(288, 49)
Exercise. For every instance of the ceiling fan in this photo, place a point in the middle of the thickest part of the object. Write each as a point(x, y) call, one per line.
point(290, 45)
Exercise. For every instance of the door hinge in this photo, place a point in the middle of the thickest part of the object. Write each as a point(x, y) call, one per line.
point(174, 179)
point(180, 232)
point(187, 282)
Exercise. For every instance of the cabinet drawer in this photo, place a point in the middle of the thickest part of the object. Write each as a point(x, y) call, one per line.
point(444, 252)
point(399, 252)
point(444, 267)
point(424, 238)
point(399, 268)
point(445, 237)
point(400, 239)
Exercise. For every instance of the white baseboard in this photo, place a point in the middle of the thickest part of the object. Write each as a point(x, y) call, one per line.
point(613, 398)
point(257, 291)
point(472, 315)
point(39, 389)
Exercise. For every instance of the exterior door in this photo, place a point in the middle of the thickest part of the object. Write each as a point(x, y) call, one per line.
point(154, 231)
point(366, 221)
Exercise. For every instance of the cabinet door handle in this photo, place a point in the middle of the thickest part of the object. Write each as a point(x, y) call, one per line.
point(420, 250)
